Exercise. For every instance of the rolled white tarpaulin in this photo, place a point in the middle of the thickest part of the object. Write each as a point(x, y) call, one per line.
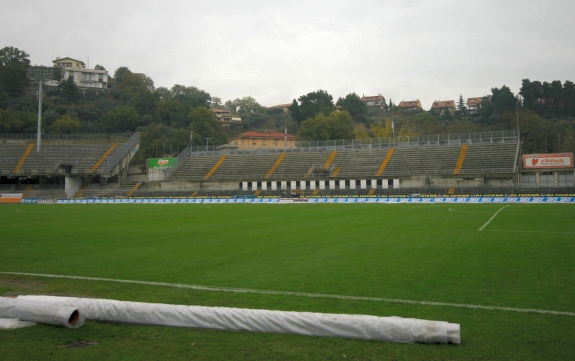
point(394, 329)
point(40, 312)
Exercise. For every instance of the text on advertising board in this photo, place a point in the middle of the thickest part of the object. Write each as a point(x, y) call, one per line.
point(554, 160)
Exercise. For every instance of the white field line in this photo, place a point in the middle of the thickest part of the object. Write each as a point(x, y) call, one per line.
point(299, 294)
point(508, 230)
point(490, 219)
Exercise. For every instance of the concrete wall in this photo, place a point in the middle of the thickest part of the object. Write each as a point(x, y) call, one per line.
point(503, 180)
point(72, 185)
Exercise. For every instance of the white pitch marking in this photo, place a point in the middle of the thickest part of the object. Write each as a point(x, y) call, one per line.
point(508, 230)
point(299, 294)
point(490, 219)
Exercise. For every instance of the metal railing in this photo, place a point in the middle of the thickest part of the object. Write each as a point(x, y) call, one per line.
point(184, 154)
point(120, 153)
point(507, 136)
point(27, 136)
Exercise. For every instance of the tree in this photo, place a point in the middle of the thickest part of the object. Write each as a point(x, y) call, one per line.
point(13, 66)
point(353, 104)
point(172, 112)
point(119, 73)
point(463, 126)
point(12, 121)
point(99, 67)
point(248, 105)
point(216, 102)
point(534, 132)
point(531, 93)
point(422, 123)
point(122, 118)
point(134, 83)
point(69, 90)
point(503, 99)
point(191, 96)
point(146, 102)
point(295, 112)
point(382, 129)
point(486, 109)
point(569, 98)
point(154, 137)
point(204, 123)
point(163, 92)
point(360, 132)
point(65, 125)
point(314, 103)
point(337, 125)
point(461, 108)
point(231, 106)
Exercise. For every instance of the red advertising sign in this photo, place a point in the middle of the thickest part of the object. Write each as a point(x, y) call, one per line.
point(554, 160)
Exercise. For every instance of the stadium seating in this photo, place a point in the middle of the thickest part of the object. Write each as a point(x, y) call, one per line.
point(195, 168)
point(52, 159)
point(238, 166)
point(10, 155)
point(298, 165)
point(492, 158)
point(342, 169)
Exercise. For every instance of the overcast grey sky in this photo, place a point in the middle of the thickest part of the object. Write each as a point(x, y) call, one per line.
point(277, 51)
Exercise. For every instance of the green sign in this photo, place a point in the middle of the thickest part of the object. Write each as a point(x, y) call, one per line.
point(161, 163)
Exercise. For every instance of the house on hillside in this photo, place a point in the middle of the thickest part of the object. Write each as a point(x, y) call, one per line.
point(83, 78)
point(443, 106)
point(473, 105)
point(262, 140)
point(226, 117)
point(411, 105)
point(374, 101)
point(283, 107)
point(69, 63)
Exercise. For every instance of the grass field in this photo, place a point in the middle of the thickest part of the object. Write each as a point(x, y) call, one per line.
point(523, 259)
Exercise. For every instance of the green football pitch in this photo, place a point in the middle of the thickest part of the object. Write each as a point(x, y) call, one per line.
point(505, 273)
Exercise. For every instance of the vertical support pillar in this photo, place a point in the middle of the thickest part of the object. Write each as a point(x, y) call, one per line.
point(39, 136)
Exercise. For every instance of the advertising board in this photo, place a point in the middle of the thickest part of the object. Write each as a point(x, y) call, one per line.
point(348, 200)
point(161, 163)
point(553, 160)
point(10, 197)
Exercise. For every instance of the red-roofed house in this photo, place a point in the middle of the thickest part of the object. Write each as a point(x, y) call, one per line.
point(442, 106)
point(262, 140)
point(284, 107)
point(374, 101)
point(411, 105)
point(473, 104)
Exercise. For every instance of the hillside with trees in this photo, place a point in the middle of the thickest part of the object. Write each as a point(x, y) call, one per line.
point(544, 112)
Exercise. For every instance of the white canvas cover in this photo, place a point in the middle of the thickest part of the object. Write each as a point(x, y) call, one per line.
point(39, 312)
point(13, 323)
point(393, 329)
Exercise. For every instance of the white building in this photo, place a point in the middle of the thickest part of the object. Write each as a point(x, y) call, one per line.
point(82, 77)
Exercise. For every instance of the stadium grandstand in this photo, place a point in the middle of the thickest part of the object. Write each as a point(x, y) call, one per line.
point(63, 165)
point(98, 167)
